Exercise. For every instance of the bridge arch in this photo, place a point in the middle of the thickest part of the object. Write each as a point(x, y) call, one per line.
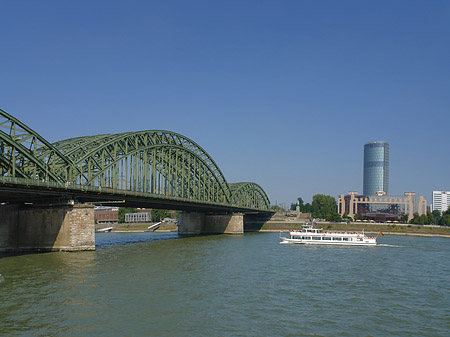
point(155, 162)
point(21, 149)
point(249, 195)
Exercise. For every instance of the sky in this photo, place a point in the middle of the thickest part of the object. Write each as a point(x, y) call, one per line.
point(283, 93)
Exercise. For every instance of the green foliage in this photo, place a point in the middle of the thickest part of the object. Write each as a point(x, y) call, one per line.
point(432, 218)
point(436, 213)
point(419, 219)
point(304, 208)
point(405, 218)
point(325, 207)
point(334, 217)
point(445, 219)
point(447, 212)
point(125, 210)
point(159, 214)
point(307, 208)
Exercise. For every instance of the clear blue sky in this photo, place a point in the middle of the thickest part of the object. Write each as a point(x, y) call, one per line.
point(281, 93)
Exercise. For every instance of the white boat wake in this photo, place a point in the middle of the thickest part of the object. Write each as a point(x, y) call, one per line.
point(386, 245)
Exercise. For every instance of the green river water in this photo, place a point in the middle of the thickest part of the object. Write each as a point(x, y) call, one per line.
point(158, 284)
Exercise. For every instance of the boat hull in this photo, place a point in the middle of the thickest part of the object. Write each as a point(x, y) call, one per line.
point(330, 243)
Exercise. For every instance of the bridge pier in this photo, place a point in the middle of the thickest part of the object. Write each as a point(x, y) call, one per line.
point(191, 223)
point(59, 227)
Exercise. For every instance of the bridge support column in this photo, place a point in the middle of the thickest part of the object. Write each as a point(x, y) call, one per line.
point(199, 223)
point(47, 228)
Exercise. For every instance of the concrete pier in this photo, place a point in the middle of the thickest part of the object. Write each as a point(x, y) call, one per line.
point(191, 223)
point(64, 227)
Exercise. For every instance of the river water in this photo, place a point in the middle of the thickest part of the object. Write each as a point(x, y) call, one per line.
point(158, 284)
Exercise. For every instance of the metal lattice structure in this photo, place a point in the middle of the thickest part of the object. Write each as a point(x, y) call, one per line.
point(249, 195)
point(153, 162)
point(20, 147)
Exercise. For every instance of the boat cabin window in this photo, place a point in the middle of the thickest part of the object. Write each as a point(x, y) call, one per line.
point(344, 239)
point(337, 239)
point(316, 238)
point(326, 238)
point(306, 237)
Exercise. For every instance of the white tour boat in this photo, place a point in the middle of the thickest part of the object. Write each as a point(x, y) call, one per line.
point(317, 236)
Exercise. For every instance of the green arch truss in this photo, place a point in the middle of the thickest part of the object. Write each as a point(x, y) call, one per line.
point(21, 151)
point(249, 195)
point(156, 162)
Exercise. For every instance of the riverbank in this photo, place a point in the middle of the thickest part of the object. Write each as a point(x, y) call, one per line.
point(371, 228)
point(385, 228)
point(139, 227)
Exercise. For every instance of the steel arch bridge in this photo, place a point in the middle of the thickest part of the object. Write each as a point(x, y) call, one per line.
point(151, 163)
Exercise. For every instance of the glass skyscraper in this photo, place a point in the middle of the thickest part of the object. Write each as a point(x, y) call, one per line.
point(376, 168)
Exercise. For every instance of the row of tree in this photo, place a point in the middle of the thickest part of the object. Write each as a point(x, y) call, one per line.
point(432, 218)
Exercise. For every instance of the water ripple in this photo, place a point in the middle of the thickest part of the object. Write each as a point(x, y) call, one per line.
point(151, 284)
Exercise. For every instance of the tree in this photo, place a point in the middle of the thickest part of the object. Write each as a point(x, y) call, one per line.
point(436, 216)
point(125, 210)
point(420, 219)
point(159, 214)
point(324, 207)
point(307, 208)
point(334, 217)
point(405, 218)
point(299, 204)
point(430, 218)
point(447, 212)
point(444, 220)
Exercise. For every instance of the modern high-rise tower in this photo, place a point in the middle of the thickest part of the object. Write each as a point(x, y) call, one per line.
point(376, 168)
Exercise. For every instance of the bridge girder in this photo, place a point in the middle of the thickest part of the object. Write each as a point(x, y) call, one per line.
point(156, 162)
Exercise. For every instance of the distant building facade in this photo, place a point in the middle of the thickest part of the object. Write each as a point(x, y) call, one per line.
point(106, 215)
point(138, 217)
point(376, 168)
point(441, 200)
point(381, 207)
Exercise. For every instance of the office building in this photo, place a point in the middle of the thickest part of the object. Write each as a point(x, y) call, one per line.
point(441, 200)
point(382, 207)
point(376, 168)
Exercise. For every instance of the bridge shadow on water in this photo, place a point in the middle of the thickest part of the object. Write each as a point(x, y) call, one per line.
point(12, 254)
point(116, 238)
point(122, 238)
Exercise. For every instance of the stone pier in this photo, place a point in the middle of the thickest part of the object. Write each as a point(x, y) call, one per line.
point(64, 227)
point(190, 223)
